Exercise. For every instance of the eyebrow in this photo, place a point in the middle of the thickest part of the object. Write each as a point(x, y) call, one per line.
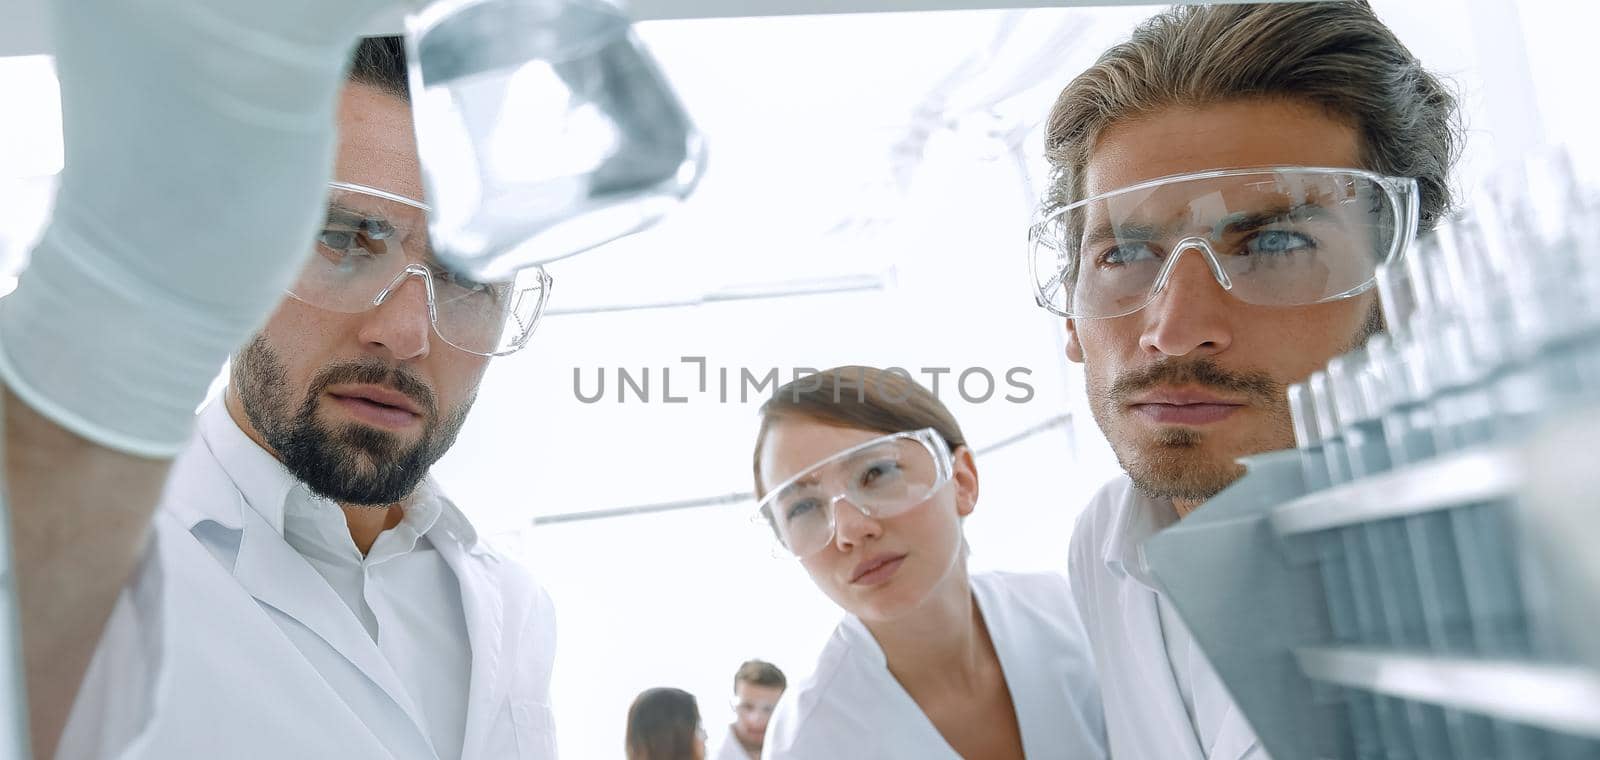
point(1107, 232)
point(1240, 222)
point(344, 216)
point(810, 480)
point(1245, 222)
point(340, 213)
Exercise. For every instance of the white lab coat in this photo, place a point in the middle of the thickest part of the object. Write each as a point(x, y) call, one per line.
point(1146, 718)
point(229, 644)
point(852, 708)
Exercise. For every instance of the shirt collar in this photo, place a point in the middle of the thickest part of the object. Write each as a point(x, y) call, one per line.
point(1136, 518)
point(856, 634)
point(263, 481)
point(269, 488)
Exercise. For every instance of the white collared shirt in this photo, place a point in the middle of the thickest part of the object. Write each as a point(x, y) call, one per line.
point(402, 592)
point(851, 706)
point(231, 642)
point(1162, 699)
point(730, 749)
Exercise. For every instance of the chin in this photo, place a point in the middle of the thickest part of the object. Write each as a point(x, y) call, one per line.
point(889, 601)
point(1163, 470)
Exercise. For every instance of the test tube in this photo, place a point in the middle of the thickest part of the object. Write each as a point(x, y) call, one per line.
point(1540, 230)
point(1367, 455)
point(1498, 289)
point(1327, 548)
point(1358, 562)
point(1437, 366)
point(1357, 411)
point(1462, 410)
point(1328, 545)
point(1407, 417)
point(1390, 396)
point(1328, 427)
point(1308, 438)
point(1499, 302)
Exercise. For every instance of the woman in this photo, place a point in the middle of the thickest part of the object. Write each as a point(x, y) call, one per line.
point(664, 724)
point(865, 477)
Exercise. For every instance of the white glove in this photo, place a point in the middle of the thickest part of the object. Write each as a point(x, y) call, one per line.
point(199, 137)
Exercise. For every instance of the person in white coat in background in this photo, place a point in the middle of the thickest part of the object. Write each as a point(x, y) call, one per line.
point(865, 477)
point(1187, 357)
point(306, 591)
point(757, 687)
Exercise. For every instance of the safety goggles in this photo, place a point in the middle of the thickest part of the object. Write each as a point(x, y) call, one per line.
point(373, 242)
point(742, 707)
point(1279, 236)
point(883, 477)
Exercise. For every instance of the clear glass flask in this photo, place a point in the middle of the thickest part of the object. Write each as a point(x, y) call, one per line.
point(545, 129)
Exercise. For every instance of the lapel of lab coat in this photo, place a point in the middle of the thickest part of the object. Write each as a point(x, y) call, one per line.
point(1142, 620)
point(1143, 672)
point(1014, 646)
point(276, 575)
point(1235, 739)
point(1148, 658)
point(477, 571)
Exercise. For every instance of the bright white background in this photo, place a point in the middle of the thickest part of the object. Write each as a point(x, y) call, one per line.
point(877, 151)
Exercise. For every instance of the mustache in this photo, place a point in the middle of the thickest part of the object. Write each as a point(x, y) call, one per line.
point(375, 372)
point(1198, 372)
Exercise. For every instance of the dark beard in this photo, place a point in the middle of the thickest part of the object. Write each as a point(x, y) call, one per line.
point(350, 464)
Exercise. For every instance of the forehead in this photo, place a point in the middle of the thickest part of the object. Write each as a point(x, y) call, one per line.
point(377, 145)
point(1180, 140)
point(747, 690)
point(793, 444)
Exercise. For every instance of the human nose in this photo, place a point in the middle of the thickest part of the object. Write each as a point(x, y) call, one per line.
point(852, 525)
point(402, 321)
point(1189, 312)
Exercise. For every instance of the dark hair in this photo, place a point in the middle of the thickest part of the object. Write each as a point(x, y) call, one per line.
point(380, 63)
point(865, 398)
point(661, 725)
point(760, 673)
point(1335, 55)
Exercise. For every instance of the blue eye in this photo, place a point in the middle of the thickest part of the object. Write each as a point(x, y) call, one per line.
point(1277, 243)
point(800, 509)
point(1126, 253)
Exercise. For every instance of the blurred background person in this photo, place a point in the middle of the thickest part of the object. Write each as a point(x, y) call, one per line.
point(756, 688)
point(865, 477)
point(664, 724)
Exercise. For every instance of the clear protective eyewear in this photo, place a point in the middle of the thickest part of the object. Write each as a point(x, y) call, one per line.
point(373, 242)
point(1275, 236)
point(883, 477)
point(742, 707)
